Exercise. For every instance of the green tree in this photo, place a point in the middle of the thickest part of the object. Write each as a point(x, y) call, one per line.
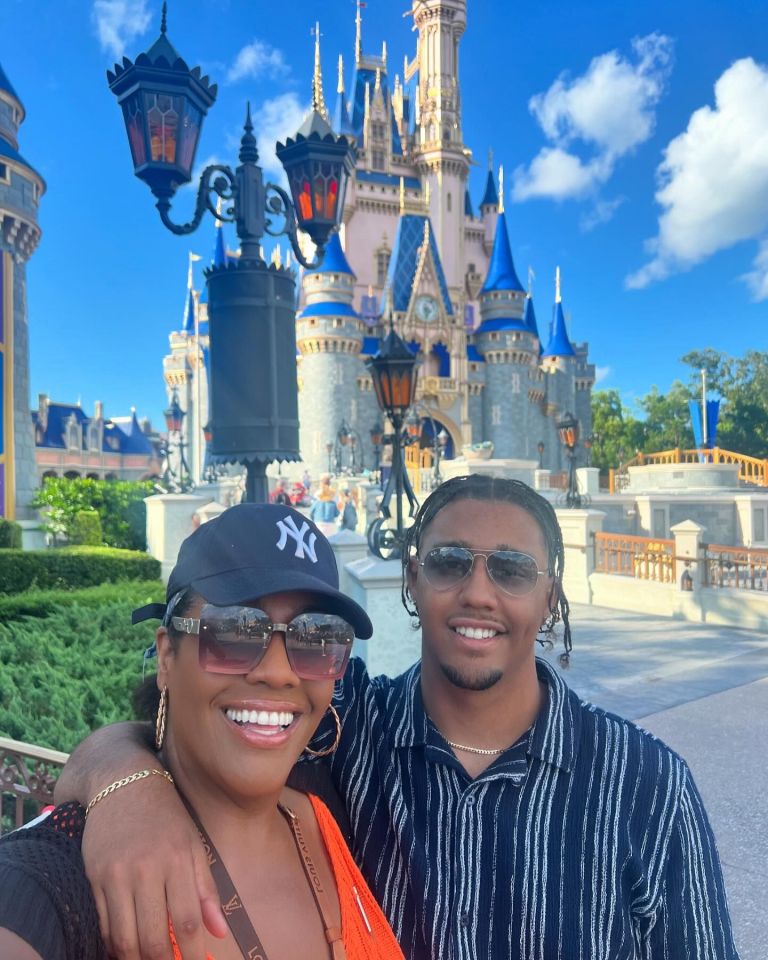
point(667, 420)
point(616, 432)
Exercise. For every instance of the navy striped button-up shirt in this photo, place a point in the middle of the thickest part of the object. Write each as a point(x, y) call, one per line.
point(587, 840)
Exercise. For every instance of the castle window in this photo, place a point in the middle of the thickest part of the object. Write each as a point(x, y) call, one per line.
point(5, 176)
point(378, 131)
point(449, 202)
point(383, 255)
point(378, 159)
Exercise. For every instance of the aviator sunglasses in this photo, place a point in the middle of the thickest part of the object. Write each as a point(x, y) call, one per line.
point(513, 572)
point(233, 640)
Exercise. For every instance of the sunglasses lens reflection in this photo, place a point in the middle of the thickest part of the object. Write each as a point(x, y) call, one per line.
point(513, 572)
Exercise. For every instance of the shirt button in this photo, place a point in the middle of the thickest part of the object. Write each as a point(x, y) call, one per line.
point(470, 801)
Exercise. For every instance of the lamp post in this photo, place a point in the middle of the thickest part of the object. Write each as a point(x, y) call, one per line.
point(587, 443)
point(439, 439)
point(540, 448)
point(329, 451)
point(174, 422)
point(254, 395)
point(347, 438)
point(394, 373)
point(377, 435)
point(568, 428)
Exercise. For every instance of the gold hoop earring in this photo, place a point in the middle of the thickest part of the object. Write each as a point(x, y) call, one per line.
point(329, 750)
point(162, 713)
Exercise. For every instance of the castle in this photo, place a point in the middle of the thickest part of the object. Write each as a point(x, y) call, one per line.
point(413, 249)
point(20, 190)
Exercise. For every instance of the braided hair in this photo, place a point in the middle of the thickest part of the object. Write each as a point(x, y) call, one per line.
point(498, 490)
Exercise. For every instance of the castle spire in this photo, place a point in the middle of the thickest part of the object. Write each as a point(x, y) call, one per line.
point(559, 343)
point(558, 298)
point(318, 100)
point(501, 270)
point(341, 117)
point(384, 53)
point(501, 188)
point(358, 34)
point(340, 84)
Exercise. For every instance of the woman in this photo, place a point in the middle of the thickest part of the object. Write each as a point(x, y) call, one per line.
point(253, 637)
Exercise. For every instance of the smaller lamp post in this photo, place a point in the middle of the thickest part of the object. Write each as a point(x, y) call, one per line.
point(377, 435)
point(329, 451)
point(568, 428)
point(587, 442)
point(394, 373)
point(540, 448)
point(174, 421)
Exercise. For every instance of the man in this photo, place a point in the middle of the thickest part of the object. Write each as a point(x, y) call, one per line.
point(493, 813)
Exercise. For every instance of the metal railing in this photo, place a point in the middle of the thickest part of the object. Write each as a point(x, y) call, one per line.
point(644, 558)
point(751, 469)
point(739, 568)
point(27, 777)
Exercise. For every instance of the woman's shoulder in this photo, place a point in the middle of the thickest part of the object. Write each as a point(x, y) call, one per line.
point(47, 899)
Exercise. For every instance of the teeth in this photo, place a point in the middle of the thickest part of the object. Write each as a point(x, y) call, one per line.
point(261, 718)
point(475, 633)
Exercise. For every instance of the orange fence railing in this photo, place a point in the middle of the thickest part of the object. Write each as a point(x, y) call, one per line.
point(644, 558)
point(741, 568)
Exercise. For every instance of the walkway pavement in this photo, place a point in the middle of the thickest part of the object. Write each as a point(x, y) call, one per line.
point(704, 690)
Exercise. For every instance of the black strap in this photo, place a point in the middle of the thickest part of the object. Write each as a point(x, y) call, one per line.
point(235, 913)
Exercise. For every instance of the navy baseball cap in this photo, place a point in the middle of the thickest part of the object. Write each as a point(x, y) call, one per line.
point(253, 550)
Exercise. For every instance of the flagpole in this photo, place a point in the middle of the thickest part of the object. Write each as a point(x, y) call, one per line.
point(704, 406)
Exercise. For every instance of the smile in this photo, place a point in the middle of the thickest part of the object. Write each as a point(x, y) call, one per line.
point(475, 633)
point(276, 720)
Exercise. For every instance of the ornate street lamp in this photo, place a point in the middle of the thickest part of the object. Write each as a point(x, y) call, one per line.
point(394, 373)
point(568, 428)
point(174, 420)
point(254, 392)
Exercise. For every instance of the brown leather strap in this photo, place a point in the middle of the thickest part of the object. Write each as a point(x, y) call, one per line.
point(234, 911)
point(332, 932)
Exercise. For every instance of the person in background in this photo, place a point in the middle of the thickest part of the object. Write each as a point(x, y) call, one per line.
point(494, 813)
point(347, 511)
point(324, 509)
point(254, 635)
point(280, 494)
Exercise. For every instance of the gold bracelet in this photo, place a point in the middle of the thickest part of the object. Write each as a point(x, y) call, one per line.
point(139, 775)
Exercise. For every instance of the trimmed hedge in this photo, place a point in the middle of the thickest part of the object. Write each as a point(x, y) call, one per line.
point(74, 670)
point(44, 603)
point(70, 568)
point(10, 535)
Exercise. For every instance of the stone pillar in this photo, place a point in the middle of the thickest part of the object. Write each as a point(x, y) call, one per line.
point(577, 527)
point(209, 512)
point(171, 517)
point(395, 645)
point(348, 547)
point(588, 480)
point(688, 536)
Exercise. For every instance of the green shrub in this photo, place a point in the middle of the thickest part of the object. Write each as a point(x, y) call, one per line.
point(44, 603)
point(10, 535)
point(71, 567)
point(119, 503)
point(85, 529)
point(73, 671)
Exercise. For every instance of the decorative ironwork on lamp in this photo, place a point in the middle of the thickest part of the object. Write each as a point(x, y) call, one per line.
point(175, 480)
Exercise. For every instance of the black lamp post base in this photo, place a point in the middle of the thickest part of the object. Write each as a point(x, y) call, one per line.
point(256, 483)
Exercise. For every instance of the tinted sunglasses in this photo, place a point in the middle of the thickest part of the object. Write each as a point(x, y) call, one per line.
point(513, 572)
point(233, 640)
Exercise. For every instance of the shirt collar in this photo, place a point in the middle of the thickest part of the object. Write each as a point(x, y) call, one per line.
point(553, 738)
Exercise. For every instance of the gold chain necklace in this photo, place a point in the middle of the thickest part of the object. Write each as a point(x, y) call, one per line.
point(478, 750)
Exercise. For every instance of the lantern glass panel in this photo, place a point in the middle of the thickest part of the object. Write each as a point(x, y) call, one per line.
point(163, 120)
point(190, 134)
point(134, 125)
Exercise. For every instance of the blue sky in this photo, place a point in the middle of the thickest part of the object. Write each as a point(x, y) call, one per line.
point(634, 138)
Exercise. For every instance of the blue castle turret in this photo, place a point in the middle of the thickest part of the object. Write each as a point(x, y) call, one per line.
point(329, 338)
point(21, 187)
point(510, 349)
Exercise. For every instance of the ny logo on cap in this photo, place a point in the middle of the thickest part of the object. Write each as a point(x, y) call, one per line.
point(287, 529)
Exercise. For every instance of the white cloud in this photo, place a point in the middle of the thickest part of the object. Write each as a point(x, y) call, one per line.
point(602, 212)
point(757, 278)
point(602, 373)
point(610, 109)
point(256, 59)
point(275, 120)
point(118, 22)
point(713, 181)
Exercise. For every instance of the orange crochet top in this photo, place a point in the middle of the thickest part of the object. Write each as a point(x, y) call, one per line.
point(356, 901)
